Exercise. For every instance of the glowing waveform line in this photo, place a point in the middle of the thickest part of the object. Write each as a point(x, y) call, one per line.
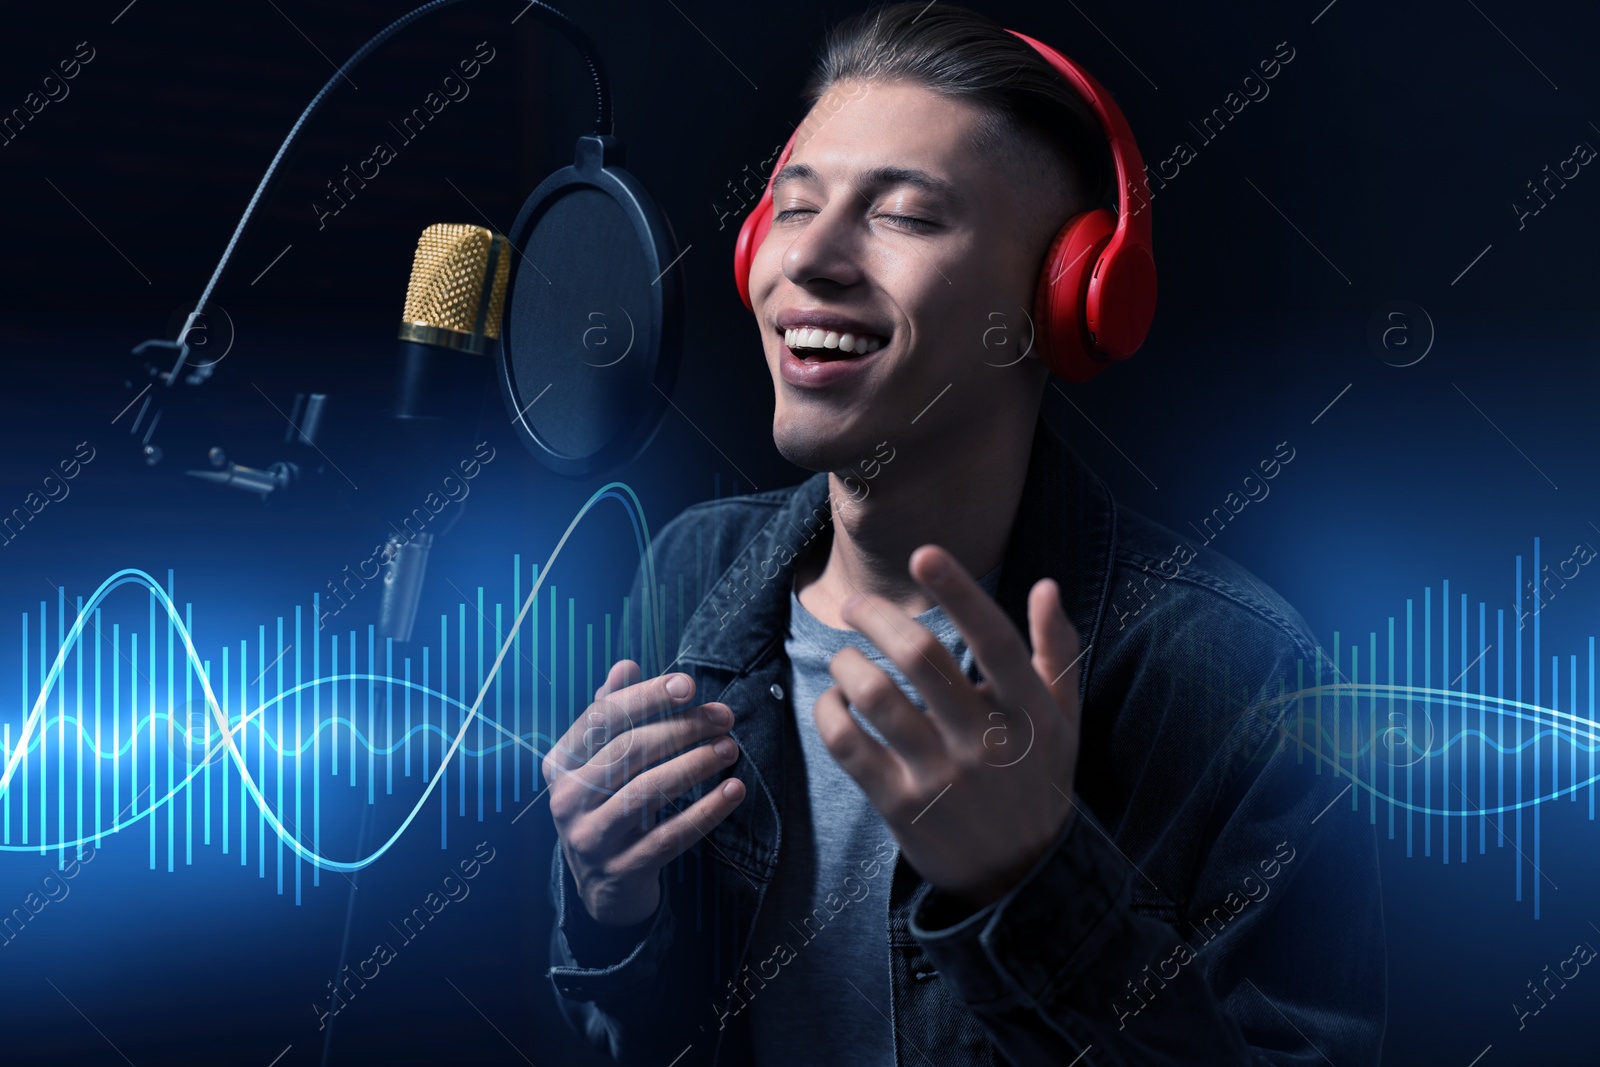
point(178, 787)
point(1576, 725)
point(128, 575)
point(445, 699)
point(1481, 702)
point(190, 736)
point(1426, 809)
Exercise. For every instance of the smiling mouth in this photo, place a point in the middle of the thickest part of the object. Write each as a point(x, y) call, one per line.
point(818, 346)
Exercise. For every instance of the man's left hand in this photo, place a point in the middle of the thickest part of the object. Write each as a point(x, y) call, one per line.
point(977, 789)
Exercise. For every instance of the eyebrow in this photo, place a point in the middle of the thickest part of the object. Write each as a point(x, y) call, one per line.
point(876, 179)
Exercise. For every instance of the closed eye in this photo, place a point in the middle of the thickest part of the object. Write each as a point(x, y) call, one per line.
point(908, 222)
point(912, 222)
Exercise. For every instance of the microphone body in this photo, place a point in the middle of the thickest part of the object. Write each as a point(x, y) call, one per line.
point(406, 563)
point(449, 339)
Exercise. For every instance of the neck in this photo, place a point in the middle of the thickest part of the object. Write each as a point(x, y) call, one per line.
point(962, 497)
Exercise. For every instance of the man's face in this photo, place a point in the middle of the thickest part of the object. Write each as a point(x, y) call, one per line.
point(890, 227)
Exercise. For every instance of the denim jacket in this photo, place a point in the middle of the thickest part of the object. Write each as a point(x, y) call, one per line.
point(1215, 899)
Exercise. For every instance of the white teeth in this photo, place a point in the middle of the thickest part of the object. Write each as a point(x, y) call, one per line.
point(806, 337)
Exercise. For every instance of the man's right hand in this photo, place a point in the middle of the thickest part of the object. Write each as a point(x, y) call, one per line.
point(626, 757)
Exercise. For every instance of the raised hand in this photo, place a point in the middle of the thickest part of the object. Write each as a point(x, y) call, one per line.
point(978, 788)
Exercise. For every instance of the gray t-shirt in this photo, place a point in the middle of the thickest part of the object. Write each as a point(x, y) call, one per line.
point(824, 923)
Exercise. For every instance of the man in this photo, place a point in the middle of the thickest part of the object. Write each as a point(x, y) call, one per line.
point(1022, 818)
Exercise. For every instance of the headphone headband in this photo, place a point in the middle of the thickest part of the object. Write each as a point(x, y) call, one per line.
point(1127, 163)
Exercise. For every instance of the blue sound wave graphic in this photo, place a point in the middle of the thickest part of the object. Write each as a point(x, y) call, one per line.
point(1423, 756)
point(221, 733)
point(1443, 732)
point(299, 749)
point(1405, 743)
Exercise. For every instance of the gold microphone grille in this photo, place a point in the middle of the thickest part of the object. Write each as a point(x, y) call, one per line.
point(458, 287)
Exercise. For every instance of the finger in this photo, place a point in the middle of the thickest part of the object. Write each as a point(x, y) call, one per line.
point(613, 715)
point(674, 835)
point(631, 810)
point(629, 755)
point(623, 673)
point(911, 646)
point(1056, 651)
point(867, 686)
point(989, 632)
point(876, 770)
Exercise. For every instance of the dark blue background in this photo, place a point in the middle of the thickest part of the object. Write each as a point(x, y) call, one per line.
point(1385, 159)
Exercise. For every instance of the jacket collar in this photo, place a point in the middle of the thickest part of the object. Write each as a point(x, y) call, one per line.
point(1064, 528)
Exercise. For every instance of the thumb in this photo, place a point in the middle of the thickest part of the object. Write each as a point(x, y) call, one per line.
point(1055, 645)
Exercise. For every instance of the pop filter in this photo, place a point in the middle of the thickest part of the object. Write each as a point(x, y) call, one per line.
point(594, 315)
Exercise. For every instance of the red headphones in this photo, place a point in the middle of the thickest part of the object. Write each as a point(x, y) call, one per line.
point(1097, 292)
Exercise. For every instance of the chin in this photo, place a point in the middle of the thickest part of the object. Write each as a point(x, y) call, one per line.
point(808, 445)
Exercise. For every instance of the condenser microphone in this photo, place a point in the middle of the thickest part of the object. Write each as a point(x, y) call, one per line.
point(450, 328)
point(449, 340)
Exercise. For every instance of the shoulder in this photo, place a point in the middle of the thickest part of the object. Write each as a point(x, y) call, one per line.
point(1196, 655)
point(1163, 583)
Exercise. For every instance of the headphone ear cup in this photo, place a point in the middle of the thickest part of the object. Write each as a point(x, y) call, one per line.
point(1121, 302)
point(1060, 311)
point(751, 234)
point(755, 227)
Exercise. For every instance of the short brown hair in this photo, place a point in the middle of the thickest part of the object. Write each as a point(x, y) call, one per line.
point(959, 53)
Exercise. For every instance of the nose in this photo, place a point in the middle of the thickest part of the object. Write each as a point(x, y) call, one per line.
point(826, 249)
